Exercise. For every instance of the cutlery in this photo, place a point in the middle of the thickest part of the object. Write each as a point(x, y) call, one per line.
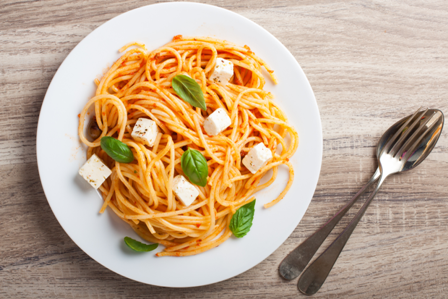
point(401, 148)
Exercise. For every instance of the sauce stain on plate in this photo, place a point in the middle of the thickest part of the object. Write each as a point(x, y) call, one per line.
point(74, 152)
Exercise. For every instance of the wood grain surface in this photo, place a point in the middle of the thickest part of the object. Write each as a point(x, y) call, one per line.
point(369, 63)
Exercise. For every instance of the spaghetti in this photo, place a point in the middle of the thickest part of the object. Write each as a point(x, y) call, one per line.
point(138, 85)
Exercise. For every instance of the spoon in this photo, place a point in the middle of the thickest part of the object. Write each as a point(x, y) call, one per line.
point(398, 151)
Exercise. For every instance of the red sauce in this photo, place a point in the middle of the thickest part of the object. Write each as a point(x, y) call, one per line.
point(177, 37)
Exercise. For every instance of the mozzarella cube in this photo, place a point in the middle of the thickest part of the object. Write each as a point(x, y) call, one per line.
point(257, 157)
point(94, 171)
point(184, 190)
point(223, 71)
point(145, 131)
point(217, 122)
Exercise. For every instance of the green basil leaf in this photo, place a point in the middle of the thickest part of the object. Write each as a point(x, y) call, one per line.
point(117, 150)
point(189, 91)
point(139, 246)
point(241, 221)
point(195, 167)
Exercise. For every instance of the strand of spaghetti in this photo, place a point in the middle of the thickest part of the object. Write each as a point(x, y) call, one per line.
point(121, 110)
point(252, 69)
point(185, 109)
point(227, 210)
point(294, 135)
point(175, 227)
point(116, 211)
point(134, 79)
point(204, 142)
point(151, 116)
point(150, 238)
point(288, 185)
point(104, 78)
point(203, 240)
point(132, 190)
point(221, 239)
point(251, 182)
point(119, 71)
point(203, 79)
point(110, 193)
point(184, 59)
point(125, 47)
point(215, 98)
point(171, 202)
point(220, 139)
point(196, 242)
point(268, 183)
point(167, 214)
point(121, 200)
point(212, 61)
point(160, 68)
point(226, 166)
point(235, 104)
point(153, 195)
point(260, 61)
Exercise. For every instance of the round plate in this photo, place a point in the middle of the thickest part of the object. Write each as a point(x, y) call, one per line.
point(60, 154)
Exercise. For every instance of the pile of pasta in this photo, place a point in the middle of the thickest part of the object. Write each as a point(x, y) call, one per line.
point(138, 85)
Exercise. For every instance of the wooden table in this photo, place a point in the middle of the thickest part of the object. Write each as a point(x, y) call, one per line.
point(369, 63)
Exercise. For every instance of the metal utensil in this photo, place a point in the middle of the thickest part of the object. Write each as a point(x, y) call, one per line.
point(294, 263)
point(406, 149)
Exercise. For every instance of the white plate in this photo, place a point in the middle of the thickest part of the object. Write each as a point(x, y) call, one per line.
point(76, 205)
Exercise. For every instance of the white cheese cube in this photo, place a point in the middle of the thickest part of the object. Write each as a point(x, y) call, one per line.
point(184, 190)
point(145, 131)
point(257, 157)
point(217, 122)
point(223, 71)
point(94, 171)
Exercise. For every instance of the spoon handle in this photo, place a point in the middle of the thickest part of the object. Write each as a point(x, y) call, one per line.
point(294, 263)
point(315, 275)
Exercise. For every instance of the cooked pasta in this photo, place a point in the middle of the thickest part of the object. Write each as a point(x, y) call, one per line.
point(138, 85)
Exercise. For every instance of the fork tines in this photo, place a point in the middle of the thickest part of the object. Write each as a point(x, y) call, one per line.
point(431, 124)
point(411, 134)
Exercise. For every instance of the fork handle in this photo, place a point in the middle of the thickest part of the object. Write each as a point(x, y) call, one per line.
point(316, 274)
point(294, 263)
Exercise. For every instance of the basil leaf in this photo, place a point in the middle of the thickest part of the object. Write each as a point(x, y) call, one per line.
point(195, 167)
point(117, 150)
point(241, 221)
point(189, 91)
point(139, 246)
